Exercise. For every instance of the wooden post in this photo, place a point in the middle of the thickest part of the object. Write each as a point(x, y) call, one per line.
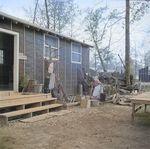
point(20, 107)
point(127, 44)
point(133, 111)
point(145, 108)
point(3, 120)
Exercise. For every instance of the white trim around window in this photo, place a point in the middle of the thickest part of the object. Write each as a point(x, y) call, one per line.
point(77, 53)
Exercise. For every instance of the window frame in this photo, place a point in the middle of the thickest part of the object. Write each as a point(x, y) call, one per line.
point(2, 57)
point(55, 48)
point(76, 53)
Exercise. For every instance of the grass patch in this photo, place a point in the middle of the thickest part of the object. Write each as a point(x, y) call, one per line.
point(144, 118)
point(6, 141)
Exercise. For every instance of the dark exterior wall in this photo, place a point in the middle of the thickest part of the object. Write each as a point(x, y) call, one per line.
point(6, 24)
point(34, 52)
point(21, 67)
point(143, 75)
point(39, 56)
point(62, 62)
point(29, 52)
point(68, 73)
point(68, 69)
point(20, 29)
point(31, 44)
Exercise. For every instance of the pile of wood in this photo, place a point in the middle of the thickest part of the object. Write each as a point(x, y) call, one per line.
point(119, 99)
point(112, 78)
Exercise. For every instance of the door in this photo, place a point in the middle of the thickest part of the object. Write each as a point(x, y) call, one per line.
point(6, 61)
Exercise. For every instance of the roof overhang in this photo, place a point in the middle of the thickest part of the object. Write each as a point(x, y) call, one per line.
point(38, 28)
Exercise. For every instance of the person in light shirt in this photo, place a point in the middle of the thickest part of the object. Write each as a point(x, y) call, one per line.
point(96, 89)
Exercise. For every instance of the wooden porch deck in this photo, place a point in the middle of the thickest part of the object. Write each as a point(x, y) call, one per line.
point(15, 104)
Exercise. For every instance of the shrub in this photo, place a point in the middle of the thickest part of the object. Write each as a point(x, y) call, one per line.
point(23, 81)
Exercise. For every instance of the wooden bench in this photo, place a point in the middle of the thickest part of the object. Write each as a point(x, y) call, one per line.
point(4, 117)
point(142, 99)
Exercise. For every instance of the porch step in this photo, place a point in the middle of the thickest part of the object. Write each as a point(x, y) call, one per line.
point(22, 100)
point(4, 117)
point(6, 93)
point(20, 95)
point(44, 116)
point(25, 105)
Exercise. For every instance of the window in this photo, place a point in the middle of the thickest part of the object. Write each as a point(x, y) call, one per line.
point(148, 70)
point(76, 53)
point(51, 47)
point(1, 57)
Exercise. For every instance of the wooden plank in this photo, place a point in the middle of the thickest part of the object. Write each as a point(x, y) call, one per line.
point(125, 104)
point(36, 105)
point(141, 102)
point(132, 115)
point(23, 101)
point(20, 95)
point(145, 108)
point(140, 98)
point(124, 91)
point(44, 116)
point(85, 103)
point(73, 104)
point(3, 120)
point(16, 95)
point(20, 112)
point(20, 107)
point(6, 93)
point(138, 108)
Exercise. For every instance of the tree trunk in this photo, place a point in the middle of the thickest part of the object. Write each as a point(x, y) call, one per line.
point(99, 55)
point(34, 17)
point(127, 45)
point(47, 16)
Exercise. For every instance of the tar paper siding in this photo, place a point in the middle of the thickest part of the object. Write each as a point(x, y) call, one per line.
point(31, 44)
point(5, 23)
point(143, 75)
point(68, 73)
point(29, 52)
point(39, 56)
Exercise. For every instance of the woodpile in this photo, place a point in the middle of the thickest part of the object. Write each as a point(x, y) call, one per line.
point(119, 99)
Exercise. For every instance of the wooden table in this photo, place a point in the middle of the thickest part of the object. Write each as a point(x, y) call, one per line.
point(142, 99)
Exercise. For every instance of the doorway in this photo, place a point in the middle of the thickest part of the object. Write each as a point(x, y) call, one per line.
point(6, 61)
point(9, 60)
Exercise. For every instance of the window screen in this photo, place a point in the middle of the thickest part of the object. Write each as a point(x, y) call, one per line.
point(51, 47)
point(1, 57)
point(52, 41)
point(76, 53)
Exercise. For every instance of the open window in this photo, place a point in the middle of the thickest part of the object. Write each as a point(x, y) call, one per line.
point(76, 53)
point(51, 47)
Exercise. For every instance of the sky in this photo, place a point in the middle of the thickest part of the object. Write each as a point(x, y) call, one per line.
point(138, 35)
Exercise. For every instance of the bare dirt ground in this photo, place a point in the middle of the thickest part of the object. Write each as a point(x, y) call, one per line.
point(105, 127)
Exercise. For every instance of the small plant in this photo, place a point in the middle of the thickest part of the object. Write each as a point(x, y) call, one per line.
point(23, 81)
